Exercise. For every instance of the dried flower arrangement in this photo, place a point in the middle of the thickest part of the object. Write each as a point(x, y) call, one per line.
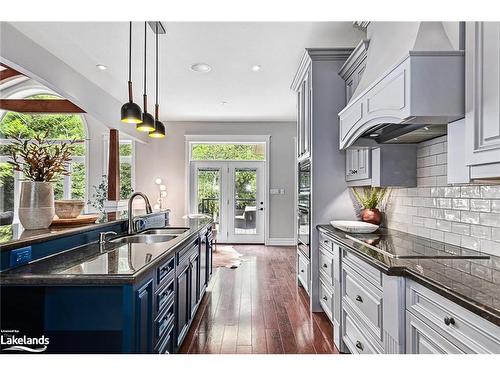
point(40, 159)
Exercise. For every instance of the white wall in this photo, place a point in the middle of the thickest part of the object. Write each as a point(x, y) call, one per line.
point(166, 159)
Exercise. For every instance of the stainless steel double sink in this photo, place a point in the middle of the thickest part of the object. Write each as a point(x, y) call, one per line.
point(150, 236)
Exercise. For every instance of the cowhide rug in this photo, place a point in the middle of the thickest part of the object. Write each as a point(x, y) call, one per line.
point(226, 256)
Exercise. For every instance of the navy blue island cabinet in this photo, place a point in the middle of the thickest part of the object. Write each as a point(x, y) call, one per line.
point(150, 315)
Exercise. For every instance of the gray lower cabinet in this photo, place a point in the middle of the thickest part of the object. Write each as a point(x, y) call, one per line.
point(436, 323)
point(303, 271)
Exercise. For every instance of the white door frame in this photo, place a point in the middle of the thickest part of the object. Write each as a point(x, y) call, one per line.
point(246, 138)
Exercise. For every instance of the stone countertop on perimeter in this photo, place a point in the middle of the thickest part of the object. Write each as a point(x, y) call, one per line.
point(102, 264)
point(472, 283)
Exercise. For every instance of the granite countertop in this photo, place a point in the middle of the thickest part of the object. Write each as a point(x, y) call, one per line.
point(15, 235)
point(102, 264)
point(471, 283)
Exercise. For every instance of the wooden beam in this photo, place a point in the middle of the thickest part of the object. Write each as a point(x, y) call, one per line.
point(39, 106)
point(9, 73)
point(114, 166)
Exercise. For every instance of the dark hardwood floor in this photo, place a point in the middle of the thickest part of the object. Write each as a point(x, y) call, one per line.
point(258, 308)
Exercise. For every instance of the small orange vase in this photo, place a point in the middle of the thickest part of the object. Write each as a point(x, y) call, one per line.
point(371, 215)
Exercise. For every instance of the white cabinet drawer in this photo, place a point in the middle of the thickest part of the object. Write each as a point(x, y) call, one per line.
point(325, 242)
point(464, 329)
point(370, 273)
point(303, 270)
point(326, 266)
point(353, 338)
point(365, 299)
point(326, 299)
point(421, 339)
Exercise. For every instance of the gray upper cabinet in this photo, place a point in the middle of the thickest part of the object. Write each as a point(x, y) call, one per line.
point(357, 164)
point(482, 118)
point(304, 111)
point(386, 165)
point(353, 68)
point(479, 133)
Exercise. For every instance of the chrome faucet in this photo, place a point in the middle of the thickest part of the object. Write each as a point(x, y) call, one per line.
point(130, 215)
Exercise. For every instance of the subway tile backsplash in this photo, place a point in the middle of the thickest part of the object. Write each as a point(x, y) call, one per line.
point(463, 215)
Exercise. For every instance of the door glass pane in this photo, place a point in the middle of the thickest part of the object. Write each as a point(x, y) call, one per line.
point(209, 193)
point(245, 200)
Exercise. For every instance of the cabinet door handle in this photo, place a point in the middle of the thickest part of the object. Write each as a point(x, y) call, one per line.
point(359, 299)
point(325, 241)
point(359, 345)
point(302, 271)
point(449, 320)
point(325, 265)
point(325, 298)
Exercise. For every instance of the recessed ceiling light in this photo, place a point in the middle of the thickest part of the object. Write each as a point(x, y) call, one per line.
point(223, 102)
point(101, 67)
point(394, 139)
point(256, 68)
point(426, 128)
point(374, 135)
point(201, 68)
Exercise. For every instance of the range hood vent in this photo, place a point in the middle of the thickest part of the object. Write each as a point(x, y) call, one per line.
point(412, 86)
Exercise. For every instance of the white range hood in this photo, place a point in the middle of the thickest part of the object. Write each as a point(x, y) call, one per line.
point(413, 85)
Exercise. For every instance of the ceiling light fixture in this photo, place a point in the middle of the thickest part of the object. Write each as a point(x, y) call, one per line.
point(148, 121)
point(256, 68)
point(201, 68)
point(426, 128)
point(374, 135)
point(130, 113)
point(101, 67)
point(159, 130)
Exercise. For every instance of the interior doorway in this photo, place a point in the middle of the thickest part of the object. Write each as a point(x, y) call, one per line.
point(227, 181)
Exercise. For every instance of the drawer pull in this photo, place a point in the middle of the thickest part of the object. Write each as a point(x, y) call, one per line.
point(359, 345)
point(449, 320)
point(326, 241)
point(325, 265)
point(359, 299)
point(325, 298)
point(302, 271)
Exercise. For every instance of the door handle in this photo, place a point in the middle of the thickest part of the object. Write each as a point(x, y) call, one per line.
point(261, 209)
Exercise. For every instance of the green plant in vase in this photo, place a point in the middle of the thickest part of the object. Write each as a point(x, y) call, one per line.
point(370, 198)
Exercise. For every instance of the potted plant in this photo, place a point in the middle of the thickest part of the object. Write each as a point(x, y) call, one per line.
point(369, 199)
point(40, 161)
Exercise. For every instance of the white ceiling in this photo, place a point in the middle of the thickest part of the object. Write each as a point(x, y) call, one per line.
point(230, 48)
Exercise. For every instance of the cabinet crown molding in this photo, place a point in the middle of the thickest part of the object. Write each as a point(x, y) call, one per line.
point(356, 58)
point(317, 54)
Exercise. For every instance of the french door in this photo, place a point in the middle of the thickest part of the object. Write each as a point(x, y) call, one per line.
point(232, 192)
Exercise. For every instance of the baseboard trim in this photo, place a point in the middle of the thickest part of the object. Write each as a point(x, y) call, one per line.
point(281, 242)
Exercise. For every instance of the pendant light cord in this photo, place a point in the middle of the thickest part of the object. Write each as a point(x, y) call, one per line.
point(130, 62)
point(145, 67)
point(157, 105)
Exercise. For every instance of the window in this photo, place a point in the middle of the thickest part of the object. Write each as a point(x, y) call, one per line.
point(228, 151)
point(62, 127)
point(127, 157)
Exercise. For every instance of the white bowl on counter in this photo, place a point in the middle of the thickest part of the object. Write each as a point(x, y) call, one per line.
point(354, 226)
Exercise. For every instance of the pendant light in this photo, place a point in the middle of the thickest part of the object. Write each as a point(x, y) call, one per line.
point(159, 131)
point(148, 121)
point(130, 113)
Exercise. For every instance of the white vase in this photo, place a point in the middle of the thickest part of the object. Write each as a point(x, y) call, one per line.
point(36, 206)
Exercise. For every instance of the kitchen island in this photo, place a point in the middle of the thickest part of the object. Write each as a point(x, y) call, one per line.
point(110, 297)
